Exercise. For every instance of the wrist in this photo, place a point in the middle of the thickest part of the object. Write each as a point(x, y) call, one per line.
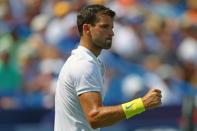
point(133, 108)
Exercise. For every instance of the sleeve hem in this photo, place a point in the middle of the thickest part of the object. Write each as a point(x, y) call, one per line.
point(89, 90)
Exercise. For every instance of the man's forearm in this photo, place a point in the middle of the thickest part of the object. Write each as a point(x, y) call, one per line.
point(106, 116)
point(101, 116)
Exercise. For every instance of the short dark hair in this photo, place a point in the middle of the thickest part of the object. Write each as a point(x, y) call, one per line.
point(87, 15)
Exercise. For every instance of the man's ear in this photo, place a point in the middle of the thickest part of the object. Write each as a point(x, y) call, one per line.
point(86, 28)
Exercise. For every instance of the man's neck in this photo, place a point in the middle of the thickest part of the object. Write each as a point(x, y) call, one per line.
point(90, 46)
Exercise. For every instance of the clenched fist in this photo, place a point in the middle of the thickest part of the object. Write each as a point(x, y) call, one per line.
point(152, 99)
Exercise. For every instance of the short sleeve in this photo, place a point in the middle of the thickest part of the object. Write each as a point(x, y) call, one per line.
point(87, 77)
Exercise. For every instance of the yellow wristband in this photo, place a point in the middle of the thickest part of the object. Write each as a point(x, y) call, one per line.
point(133, 108)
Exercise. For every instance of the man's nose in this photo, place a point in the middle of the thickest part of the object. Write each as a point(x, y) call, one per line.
point(111, 33)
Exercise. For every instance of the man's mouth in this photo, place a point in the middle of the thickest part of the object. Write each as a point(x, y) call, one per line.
point(109, 39)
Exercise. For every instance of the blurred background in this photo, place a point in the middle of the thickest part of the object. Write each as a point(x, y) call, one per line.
point(155, 46)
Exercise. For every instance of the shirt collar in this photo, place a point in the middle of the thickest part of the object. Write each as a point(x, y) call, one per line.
point(87, 51)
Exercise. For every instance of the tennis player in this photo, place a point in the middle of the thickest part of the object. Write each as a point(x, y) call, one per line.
point(78, 99)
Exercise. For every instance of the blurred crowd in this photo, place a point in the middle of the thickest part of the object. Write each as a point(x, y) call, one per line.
point(155, 46)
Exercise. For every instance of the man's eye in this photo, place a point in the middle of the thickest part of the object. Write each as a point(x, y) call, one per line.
point(105, 26)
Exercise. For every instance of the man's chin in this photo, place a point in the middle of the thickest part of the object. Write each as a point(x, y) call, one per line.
point(108, 46)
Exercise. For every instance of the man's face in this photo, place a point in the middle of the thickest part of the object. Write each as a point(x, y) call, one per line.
point(102, 32)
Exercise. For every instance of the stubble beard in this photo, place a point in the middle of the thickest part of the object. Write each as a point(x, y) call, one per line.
point(103, 45)
point(108, 44)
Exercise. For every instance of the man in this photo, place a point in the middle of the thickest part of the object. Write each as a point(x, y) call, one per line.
point(78, 100)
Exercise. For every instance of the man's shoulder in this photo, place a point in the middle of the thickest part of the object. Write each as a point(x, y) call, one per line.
point(83, 65)
point(80, 63)
point(81, 59)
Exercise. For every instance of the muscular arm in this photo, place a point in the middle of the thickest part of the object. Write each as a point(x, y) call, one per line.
point(98, 115)
point(101, 116)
